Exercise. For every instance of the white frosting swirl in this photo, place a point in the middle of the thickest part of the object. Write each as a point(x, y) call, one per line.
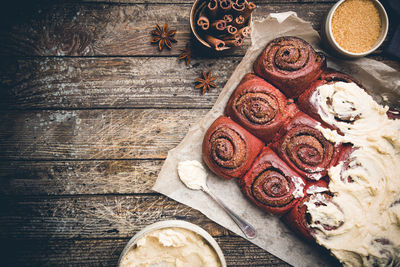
point(369, 199)
point(171, 247)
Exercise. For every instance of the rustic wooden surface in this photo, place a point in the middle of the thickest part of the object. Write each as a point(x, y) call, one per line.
point(88, 112)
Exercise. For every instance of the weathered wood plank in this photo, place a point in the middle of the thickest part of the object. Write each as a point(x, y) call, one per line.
point(90, 83)
point(105, 252)
point(73, 83)
point(118, 216)
point(258, 2)
point(76, 83)
point(94, 134)
point(78, 177)
point(123, 30)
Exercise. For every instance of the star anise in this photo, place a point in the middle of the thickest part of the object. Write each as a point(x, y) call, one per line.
point(206, 82)
point(163, 36)
point(186, 54)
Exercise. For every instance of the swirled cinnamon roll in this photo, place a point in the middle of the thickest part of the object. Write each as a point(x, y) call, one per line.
point(313, 101)
point(315, 212)
point(271, 184)
point(347, 162)
point(228, 149)
point(343, 104)
point(259, 107)
point(290, 64)
point(304, 148)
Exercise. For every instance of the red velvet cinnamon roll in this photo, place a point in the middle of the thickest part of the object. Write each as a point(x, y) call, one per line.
point(228, 149)
point(347, 161)
point(259, 107)
point(271, 184)
point(304, 148)
point(299, 218)
point(393, 114)
point(331, 75)
point(291, 64)
point(354, 169)
point(307, 100)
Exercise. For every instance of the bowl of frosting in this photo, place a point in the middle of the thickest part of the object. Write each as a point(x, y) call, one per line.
point(172, 243)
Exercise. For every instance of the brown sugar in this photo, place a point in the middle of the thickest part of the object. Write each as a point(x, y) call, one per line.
point(356, 25)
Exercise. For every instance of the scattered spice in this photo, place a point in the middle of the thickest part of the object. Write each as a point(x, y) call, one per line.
point(356, 25)
point(163, 36)
point(186, 54)
point(206, 82)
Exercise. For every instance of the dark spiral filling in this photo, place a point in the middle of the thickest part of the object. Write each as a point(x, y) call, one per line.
point(350, 117)
point(351, 163)
point(228, 149)
point(289, 54)
point(348, 164)
point(272, 188)
point(258, 108)
point(308, 149)
point(327, 198)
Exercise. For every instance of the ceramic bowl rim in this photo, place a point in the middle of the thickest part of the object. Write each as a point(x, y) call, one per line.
point(381, 38)
point(174, 224)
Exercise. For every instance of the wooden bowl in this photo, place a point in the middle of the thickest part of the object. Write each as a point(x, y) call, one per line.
point(197, 6)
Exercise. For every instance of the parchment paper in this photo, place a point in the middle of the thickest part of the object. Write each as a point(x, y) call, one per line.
point(382, 81)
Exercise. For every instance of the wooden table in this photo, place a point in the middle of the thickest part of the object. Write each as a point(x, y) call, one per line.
point(89, 110)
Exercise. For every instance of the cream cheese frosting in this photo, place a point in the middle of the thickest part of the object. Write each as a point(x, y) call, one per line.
point(315, 189)
point(366, 191)
point(298, 187)
point(169, 247)
point(192, 174)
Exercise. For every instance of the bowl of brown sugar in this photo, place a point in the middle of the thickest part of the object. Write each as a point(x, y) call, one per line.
point(355, 28)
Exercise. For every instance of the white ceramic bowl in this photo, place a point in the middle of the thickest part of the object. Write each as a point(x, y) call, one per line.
point(179, 224)
point(327, 31)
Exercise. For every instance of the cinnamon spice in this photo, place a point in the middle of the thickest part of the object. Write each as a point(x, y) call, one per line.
point(239, 7)
point(228, 18)
point(245, 31)
point(203, 22)
point(238, 21)
point(216, 43)
point(231, 29)
point(212, 8)
point(224, 23)
point(250, 6)
point(218, 25)
point(240, 2)
point(235, 42)
point(225, 5)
